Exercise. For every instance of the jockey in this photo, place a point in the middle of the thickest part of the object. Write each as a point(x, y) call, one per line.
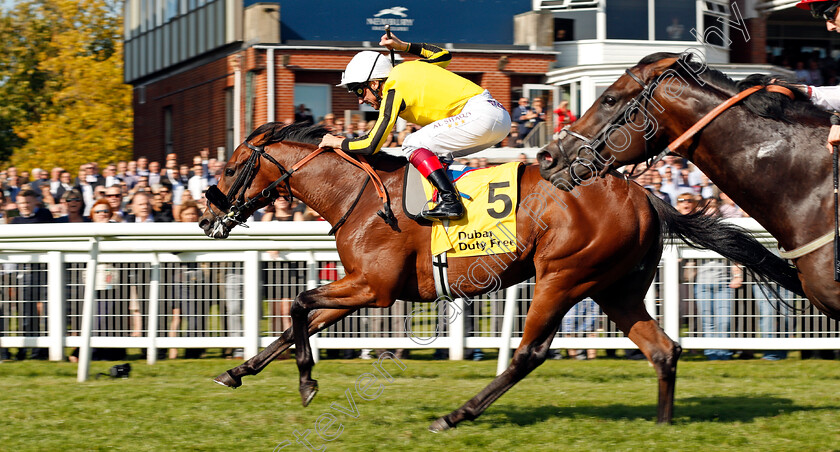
point(827, 97)
point(457, 116)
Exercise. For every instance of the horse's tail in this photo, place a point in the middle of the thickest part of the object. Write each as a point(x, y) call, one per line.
point(703, 231)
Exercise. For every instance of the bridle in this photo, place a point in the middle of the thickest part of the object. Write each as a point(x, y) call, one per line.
point(643, 99)
point(234, 207)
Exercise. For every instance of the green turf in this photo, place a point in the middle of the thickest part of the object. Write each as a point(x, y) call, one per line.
point(790, 405)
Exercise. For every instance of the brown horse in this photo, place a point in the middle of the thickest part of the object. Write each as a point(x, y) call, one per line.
point(602, 241)
point(767, 151)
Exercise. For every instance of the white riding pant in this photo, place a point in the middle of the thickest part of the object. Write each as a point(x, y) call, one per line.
point(482, 123)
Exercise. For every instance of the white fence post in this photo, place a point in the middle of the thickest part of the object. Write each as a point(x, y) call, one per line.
point(251, 292)
point(56, 328)
point(87, 311)
point(507, 327)
point(456, 330)
point(312, 281)
point(671, 292)
point(154, 310)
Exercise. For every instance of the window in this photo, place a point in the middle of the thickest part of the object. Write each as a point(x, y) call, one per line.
point(167, 129)
point(627, 19)
point(674, 19)
point(715, 28)
point(229, 122)
point(316, 97)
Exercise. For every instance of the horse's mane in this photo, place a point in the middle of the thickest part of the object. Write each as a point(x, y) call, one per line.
point(275, 132)
point(763, 103)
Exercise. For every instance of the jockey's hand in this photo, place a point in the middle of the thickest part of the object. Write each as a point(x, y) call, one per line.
point(393, 43)
point(331, 141)
point(833, 138)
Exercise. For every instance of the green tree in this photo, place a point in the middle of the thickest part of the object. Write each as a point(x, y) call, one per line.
point(81, 110)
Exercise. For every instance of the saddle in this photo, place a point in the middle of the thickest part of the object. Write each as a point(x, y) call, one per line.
point(414, 194)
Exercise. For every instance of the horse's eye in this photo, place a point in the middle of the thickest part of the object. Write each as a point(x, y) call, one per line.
point(229, 172)
point(609, 101)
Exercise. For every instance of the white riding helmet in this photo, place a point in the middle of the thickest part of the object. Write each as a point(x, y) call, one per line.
point(364, 67)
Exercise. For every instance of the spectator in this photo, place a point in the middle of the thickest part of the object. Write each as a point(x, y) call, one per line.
point(514, 138)
point(564, 116)
point(187, 304)
point(162, 205)
point(154, 173)
point(65, 184)
point(74, 207)
point(141, 209)
point(114, 195)
point(198, 183)
point(31, 277)
point(582, 318)
point(521, 115)
point(110, 174)
point(304, 115)
point(142, 166)
point(713, 293)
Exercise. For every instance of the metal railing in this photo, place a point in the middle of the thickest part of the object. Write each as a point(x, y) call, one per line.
point(169, 286)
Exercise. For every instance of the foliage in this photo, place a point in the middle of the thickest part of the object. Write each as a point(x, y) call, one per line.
point(61, 87)
point(563, 405)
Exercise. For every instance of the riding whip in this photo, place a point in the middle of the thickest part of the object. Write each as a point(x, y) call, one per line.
point(835, 121)
point(388, 33)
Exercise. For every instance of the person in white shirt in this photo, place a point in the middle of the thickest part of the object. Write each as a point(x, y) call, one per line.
point(198, 183)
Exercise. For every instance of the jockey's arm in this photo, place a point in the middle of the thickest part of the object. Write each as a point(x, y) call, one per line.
point(370, 143)
point(428, 52)
point(827, 97)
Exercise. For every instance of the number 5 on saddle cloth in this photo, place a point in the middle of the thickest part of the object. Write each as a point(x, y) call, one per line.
point(490, 198)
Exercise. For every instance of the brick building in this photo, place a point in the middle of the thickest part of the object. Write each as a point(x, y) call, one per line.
point(207, 72)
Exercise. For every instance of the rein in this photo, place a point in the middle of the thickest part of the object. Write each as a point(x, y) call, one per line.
point(235, 205)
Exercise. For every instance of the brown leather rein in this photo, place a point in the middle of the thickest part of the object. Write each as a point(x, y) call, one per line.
point(705, 120)
point(232, 211)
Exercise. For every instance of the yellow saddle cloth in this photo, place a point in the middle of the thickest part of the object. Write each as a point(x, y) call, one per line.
point(489, 225)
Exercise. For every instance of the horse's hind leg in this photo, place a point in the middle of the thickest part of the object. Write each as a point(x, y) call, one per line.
point(623, 302)
point(541, 324)
point(319, 320)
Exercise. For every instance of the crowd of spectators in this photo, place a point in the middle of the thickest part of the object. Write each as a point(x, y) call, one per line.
point(145, 191)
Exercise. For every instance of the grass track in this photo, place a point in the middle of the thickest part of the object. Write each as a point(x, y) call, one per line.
point(564, 405)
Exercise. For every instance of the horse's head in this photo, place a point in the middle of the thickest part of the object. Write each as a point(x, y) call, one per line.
point(238, 194)
point(621, 127)
point(252, 178)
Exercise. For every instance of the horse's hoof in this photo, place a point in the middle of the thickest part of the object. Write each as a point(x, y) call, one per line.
point(440, 425)
point(307, 392)
point(229, 380)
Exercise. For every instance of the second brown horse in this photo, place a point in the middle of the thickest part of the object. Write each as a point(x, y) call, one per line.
point(603, 240)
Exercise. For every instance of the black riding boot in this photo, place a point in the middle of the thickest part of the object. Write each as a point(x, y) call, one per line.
point(449, 207)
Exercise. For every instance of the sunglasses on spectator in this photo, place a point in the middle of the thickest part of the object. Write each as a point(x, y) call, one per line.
point(102, 211)
point(74, 199)
point(113, 195)
point(684, 200)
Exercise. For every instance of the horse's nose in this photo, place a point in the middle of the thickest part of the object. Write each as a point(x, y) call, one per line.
point(204, 223)
point(545, 159)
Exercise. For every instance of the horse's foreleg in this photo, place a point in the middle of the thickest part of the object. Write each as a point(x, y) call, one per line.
point(541, 324)
point(321, 319)
point(349, 293)
point(634, 320)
